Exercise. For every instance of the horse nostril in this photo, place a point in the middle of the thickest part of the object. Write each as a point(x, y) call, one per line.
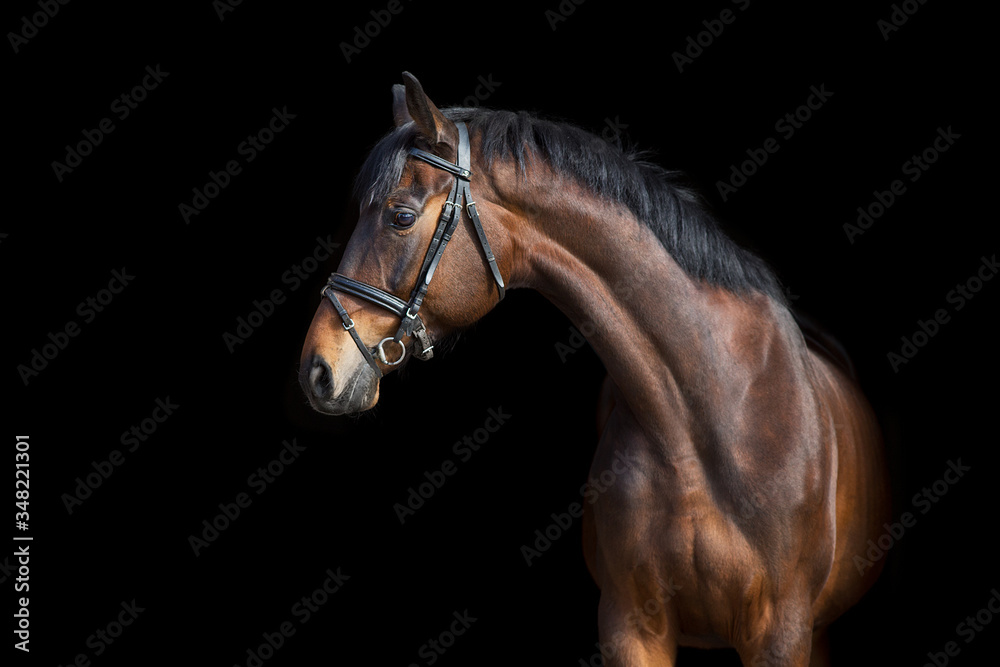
point(320, 377)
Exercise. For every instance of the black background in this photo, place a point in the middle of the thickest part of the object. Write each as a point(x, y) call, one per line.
point(333, 507)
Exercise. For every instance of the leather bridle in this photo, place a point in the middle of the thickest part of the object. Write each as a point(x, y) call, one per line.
point(410, 322)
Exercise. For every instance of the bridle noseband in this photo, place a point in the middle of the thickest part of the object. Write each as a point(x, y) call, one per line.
point(410, 322)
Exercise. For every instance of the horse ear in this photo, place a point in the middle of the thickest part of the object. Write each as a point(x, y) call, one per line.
point(431, 123)
point(400, 114)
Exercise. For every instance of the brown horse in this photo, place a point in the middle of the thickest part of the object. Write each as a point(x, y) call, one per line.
point(755, 469)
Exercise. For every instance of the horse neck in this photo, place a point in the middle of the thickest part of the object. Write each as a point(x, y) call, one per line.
point(679, 351)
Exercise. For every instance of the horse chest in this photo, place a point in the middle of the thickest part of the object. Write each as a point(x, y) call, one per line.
point(659, 523)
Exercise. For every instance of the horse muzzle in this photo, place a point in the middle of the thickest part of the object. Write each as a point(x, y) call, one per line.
point(335, 393)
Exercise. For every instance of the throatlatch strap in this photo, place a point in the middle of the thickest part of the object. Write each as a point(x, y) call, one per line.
point(481, 233)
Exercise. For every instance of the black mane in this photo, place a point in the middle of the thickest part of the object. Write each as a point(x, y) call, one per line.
point(654, 195)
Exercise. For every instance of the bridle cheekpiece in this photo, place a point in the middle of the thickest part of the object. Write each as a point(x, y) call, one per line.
point(410, 322)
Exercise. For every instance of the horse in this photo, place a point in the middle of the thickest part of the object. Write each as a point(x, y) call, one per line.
point(749, 467)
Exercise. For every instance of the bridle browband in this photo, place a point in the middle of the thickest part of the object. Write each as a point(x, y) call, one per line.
point(410, 322)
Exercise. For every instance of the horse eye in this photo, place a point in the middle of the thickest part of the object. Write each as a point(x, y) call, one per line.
point(404, 219)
